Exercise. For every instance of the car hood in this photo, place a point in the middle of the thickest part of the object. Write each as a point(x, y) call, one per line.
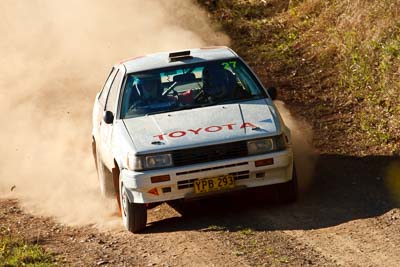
point(203, 126)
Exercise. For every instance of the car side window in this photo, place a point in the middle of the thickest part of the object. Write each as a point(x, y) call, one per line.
point(112, 95)
point(106, 88)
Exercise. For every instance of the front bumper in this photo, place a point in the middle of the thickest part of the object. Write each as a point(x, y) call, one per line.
point(180, 185)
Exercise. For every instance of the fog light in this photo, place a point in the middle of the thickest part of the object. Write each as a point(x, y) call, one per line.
point(159, 179)
point(260, 174)
point(166, 189)
point(264, 162)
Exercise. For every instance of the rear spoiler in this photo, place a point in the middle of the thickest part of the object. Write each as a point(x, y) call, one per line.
point(179, 56)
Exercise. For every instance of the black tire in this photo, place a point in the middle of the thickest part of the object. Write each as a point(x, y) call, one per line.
point(105, 177)
point(134, 215)
point(288, 192)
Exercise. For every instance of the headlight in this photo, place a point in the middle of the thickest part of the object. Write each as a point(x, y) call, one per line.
point(262, 146)
point(157, 161)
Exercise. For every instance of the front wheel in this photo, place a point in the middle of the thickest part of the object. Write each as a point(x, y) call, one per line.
point(288, 192)
point(134, 215)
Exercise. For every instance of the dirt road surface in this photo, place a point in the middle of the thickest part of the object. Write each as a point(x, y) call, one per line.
point(345, 219)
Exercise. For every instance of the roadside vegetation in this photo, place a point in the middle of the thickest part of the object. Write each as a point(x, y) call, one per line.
point(14, 251)
point(336, 62)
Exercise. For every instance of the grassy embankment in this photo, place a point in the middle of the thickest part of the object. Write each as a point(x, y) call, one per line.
point(336, 62)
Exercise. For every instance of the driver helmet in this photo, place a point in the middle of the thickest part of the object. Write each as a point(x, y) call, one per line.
point(217, 81)
point(149, 87)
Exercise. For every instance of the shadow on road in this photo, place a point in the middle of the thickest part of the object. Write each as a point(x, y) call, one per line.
point(344, 188)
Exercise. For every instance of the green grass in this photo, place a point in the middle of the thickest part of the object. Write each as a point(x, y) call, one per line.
point(215, 228)
point(246, 231)
point(15, 252)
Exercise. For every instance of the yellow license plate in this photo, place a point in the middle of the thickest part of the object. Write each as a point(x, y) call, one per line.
point(214, 184)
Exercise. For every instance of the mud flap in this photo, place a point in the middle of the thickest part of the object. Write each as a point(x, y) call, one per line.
point(94, 152)
point(115, 175)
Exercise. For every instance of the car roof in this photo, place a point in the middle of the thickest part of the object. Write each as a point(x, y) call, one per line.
point(162, 59)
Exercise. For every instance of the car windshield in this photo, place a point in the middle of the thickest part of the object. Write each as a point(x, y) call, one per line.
point(187, 87)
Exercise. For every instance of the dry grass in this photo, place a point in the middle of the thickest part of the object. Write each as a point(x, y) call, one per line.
point(339, 61)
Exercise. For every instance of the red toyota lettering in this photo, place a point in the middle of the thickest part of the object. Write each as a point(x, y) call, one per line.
point(247, 124)
point(209, 129)
point(177, 134)
point(160, 137)
point(212, 129)
point(230, 125)
point(195, 131)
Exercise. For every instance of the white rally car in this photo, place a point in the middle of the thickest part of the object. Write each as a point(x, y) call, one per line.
point(184, 125)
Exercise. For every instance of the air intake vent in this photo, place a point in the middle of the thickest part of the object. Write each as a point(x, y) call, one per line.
point(179, 56)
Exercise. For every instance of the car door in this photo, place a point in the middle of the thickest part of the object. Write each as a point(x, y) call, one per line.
point(99, 105)
point(106, 130)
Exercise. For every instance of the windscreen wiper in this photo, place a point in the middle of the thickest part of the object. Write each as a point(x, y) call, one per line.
point(187, 107)
point(175, 109)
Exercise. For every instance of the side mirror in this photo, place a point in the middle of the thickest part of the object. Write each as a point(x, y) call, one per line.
point(273, 93)
point(108, 117)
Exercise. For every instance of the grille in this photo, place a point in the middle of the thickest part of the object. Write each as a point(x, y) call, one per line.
point(237, 175)
point(209, 153)
point(213, 168)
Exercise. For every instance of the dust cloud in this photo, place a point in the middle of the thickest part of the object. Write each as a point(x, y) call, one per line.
point(55, 57)
point(305, 155)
